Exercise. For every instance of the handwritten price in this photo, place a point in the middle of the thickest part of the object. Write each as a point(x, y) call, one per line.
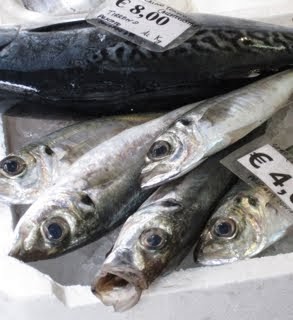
point(152, 16)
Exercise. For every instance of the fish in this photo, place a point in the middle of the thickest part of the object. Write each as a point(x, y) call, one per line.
point(158, 236)
point(76, 63)
point(248, 220)
point(215, 124)
point(25, 174)
point(96, 194)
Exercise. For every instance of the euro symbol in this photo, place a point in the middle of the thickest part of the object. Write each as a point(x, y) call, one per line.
point(259, 158)
point(119, 3)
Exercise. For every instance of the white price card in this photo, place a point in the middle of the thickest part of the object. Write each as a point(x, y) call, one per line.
point(146, 19)
point(273, 169)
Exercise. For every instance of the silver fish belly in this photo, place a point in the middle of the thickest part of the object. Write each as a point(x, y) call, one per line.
point(96, 193)
point(215, 124)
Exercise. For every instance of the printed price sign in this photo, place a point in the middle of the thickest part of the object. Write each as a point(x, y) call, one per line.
point(273, 169)
point(146, 19)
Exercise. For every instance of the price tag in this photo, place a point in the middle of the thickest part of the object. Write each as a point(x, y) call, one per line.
point(146, 19)
point(273, 169)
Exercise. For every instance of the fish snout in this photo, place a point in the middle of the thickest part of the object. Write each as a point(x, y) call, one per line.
point(18, 252)
point(119, 287)
point(120, 283)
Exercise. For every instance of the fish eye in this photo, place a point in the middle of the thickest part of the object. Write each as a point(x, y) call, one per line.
point(55, 230)
point(153, 239)
point(225, 228)
point(13, 166)
point(159, 150)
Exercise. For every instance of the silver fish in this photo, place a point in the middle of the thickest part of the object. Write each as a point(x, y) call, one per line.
point(25, 174)
point(159, 234)
point(248, 221)
point(215, 124)
point(95, 195)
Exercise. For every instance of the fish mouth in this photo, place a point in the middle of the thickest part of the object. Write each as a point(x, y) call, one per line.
point(119, 287)
point(200, 255)
point(206, 261)
point(210, 258)
point(214, 261)
point(18, 252)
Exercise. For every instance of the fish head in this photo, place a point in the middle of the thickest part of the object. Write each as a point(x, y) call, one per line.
point(54, 224)
point(235, 232)
point(25, 174)
point(145, 245)
point(173, 153)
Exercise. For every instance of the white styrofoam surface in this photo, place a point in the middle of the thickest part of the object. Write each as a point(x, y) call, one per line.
point(254, 289)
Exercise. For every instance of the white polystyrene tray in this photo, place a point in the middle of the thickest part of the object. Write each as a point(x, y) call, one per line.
point(248, 290)
point(260, 288)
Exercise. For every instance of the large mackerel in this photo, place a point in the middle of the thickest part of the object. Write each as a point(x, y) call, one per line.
point(78, 62)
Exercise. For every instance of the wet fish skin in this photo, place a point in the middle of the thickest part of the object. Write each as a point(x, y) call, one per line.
point(96, 194)
point(172, 218)
point(92, 65)
point(44, 161)
point(212, 126)
point(254, 220)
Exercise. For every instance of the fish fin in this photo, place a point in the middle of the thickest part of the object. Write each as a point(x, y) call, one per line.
point(17, 88)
